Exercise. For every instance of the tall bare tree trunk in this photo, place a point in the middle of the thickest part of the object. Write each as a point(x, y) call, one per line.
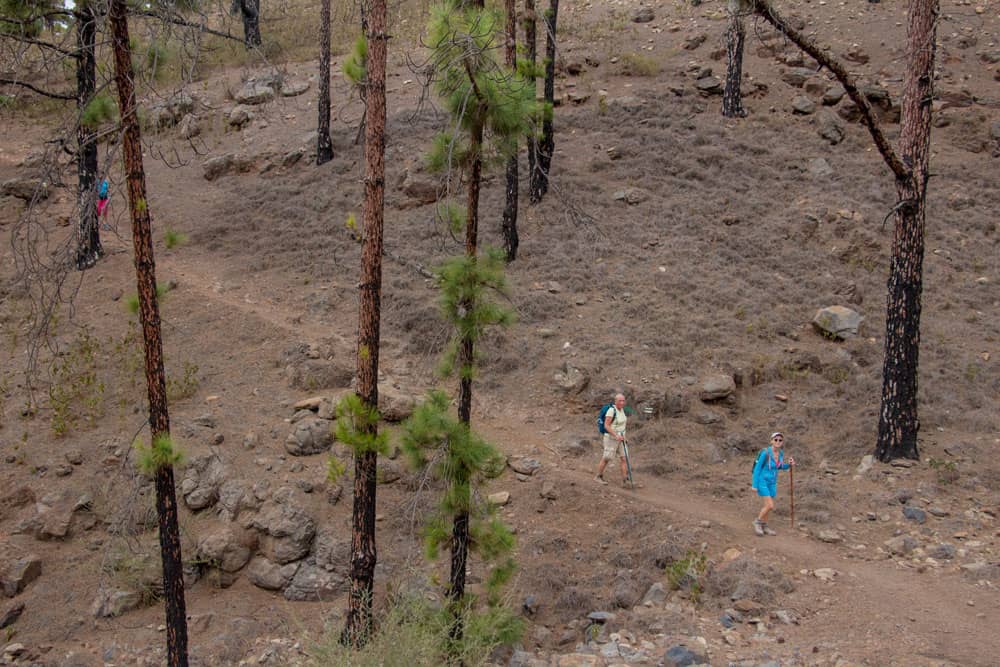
point(250, 13)
point(546, 145)
point(509, 227)
point(358, 627)
point(732, 98)
point(531, 54)
point(324, 147)
point(89, 248)
point(898, 423)
point(149, 317)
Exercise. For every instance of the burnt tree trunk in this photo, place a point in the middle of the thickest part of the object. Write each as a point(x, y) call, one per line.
point(466, 355)
point(149, 317)
point(358, 627)
point(531, 55)
point(546, 145)
point(509, 227)
point(89, 248)
point(732, 98)
point(250, 13)
point(324, 147)
point(898, 423)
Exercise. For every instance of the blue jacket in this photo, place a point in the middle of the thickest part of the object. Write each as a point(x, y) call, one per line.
point(102, 193)
point(764, 471)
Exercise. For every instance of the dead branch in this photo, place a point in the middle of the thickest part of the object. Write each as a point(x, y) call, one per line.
point(46, 93)
point(766, 10)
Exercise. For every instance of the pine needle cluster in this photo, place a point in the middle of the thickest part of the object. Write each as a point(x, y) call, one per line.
point(433, 438)
point(464, 282)
point(476, 89)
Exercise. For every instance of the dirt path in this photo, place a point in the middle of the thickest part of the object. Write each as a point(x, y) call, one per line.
point(921, 615)
point(933, 617)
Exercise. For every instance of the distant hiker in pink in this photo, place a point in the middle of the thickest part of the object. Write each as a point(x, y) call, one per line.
point(102, 199)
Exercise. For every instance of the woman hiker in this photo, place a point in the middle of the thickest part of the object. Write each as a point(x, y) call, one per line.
point(765, 479)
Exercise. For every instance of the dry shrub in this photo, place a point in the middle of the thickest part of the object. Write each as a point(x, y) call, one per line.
point(746, 578)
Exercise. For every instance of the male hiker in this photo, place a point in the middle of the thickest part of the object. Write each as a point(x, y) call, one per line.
point(765, 479)
point(611, 423)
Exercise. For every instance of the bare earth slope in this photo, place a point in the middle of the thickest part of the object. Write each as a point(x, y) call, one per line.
point(674, 245)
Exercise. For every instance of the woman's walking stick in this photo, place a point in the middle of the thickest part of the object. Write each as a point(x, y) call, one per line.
point(791, 485)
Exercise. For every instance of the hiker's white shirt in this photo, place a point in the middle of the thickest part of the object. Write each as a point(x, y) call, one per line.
point(618, 422)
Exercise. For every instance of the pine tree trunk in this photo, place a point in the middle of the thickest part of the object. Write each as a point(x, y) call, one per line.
point(531, 53)
point(250, 11)
point(89, 248)
point(732, 98)
point(149, 317)
point(358, 627)
point(509, 227)
point(546, 145)
point(324, 147)
point(898, 422)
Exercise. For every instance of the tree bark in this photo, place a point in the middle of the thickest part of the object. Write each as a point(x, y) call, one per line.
point(898, 423)
point(546, 145)
point(89, 248)
point(324, 146)
point(508, 228)
point(250, 12)
point(531, 53)
point(732, 98)
point(358, 627)
point(149, 317)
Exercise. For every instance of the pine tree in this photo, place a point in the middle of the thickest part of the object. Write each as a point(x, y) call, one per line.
point(508, 228)
point(28, 20)
point(433, 437)
point(732, 97)
point(324, 146)
point(249, 11)
point(491, 107)
point(358, 423)
point(149, 317)
point(898, 422)
point(547, 143)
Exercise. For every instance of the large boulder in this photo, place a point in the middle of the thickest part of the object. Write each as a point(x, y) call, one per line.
point(269, 575)
point(202, 479)
point(255, 92)
point(311, 435)
point(288, 530)
point(111, 604)
point(837, 322)
point(25, 188)
point(312, 584)
point(571, 380)
point(716, 387)
point(294, 87)
point(217, 166)
point(17, 570)
point(225, 549)
point(394, 405)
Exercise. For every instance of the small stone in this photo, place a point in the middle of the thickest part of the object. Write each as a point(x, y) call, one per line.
point(825, 574)
point(901, 545)
point(74, 456)
point(820, 168)
point(525, 466)
point(803, 106)
point(938, 511)
point(601, 616)
point(837, 322)
point(915, 514)
point(830, 536)
point(681, 656)
point(644, 15)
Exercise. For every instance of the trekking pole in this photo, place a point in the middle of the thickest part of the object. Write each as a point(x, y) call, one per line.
point(791, 486)
point(628, 464)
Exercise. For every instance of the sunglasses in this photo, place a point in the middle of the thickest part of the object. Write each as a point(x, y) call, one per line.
point(778, 439)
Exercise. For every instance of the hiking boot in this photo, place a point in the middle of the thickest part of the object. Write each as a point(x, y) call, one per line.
point(601, 480)
point(758, 528)
point(767, 531)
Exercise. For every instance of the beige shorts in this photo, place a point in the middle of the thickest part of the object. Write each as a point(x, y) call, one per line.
point(612, 448)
